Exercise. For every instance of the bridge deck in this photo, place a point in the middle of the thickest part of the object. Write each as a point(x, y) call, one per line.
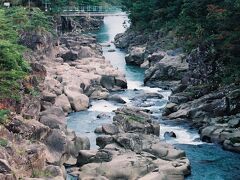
point(87, 10)
point(92, 14)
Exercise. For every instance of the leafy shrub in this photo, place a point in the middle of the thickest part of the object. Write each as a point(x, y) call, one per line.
point(3, 116)
point(3, 142)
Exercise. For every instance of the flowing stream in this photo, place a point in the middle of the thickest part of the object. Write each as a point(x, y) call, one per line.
point(208, 161)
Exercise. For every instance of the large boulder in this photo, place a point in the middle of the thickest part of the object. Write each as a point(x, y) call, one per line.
point(169, 68)
point(54, 118)
point(63, 102)
point(77, 100)
point(135, 56)
point(102, 141)
point(116, 98)
point(110, 129)
point(135, 120)
point(108, 82)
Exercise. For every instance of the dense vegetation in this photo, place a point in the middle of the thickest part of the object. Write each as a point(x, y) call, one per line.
point(195, 22)
point(13, 67)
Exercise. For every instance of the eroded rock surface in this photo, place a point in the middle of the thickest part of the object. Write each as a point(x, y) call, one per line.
point(131, 150)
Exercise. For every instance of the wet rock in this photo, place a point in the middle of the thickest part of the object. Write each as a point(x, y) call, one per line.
point(98, 130)
point(121, 82)
point(116, 98)
point(206, 133)
point(110, 129)
point(181, 113)
point(103, 116)
point(169, 109)
point(111, 50)
point(85, 157)
point(169, 135)
point(234, 123)
point(102, 141)
point(231, 146)
point(107, 82)
point(178, 99)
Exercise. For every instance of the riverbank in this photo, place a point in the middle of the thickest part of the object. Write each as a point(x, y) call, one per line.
point(211, 108)
point(35, 142)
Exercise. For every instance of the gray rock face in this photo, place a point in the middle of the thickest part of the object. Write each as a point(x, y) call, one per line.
point(202, 66)
point(170, 68)
point(135, 56)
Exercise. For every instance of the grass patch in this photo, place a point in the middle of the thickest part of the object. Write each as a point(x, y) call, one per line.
point(4, 116)
point(235, 140)
point(132, 118)
point(3, 142)
point(37, 173)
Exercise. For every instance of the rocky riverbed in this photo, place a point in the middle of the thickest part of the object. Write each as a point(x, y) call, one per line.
point(196, 97)
point(67, 73)
point(130, 148)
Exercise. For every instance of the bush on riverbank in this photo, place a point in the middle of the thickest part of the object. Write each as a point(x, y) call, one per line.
point(195, 23)
point(13, 67)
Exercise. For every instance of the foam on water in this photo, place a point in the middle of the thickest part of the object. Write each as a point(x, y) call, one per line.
point(102, 106)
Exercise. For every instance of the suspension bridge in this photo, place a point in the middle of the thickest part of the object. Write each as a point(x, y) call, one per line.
point(88, 11)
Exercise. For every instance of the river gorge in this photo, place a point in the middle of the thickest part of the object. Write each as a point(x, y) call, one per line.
point(208, 161)
point(96, 98)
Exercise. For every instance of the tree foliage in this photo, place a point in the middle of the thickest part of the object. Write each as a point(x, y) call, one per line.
point(13, 67)
point(194, 23)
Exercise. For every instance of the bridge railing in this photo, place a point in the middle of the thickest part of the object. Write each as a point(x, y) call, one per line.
point(91, 9)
